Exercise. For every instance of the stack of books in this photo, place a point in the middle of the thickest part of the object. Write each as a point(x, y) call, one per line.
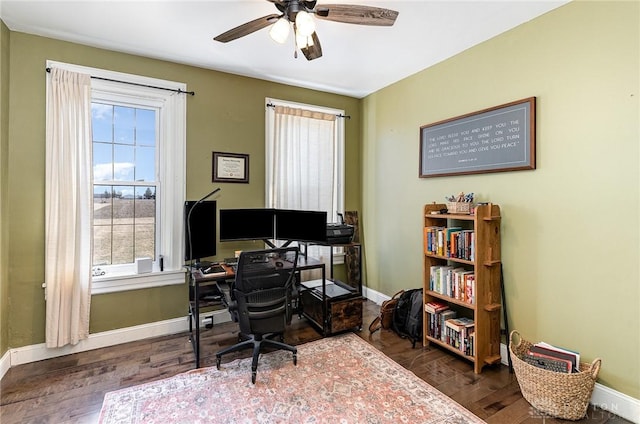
point(450, 242)
point(444, 325)
point(552, 358)
point(458, 283)
point(460, 334)
point(437, 314)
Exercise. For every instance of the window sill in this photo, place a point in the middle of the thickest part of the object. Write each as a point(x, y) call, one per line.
point(102, 285)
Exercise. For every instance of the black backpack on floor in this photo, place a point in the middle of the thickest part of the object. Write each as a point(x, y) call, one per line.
point(407, 316)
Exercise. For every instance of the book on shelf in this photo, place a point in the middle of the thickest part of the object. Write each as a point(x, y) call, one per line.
point(449, 242)
point(431, 238)
point(457, 283)
point(457, 334)
point(444, 316)
point(434, 312)
point(435, 307)
point(449, 234)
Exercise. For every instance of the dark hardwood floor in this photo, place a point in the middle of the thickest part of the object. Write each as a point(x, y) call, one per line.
point(70, 389)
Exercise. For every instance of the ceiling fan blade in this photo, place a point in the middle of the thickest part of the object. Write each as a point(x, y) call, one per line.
point(315, 51)
point(356, 14)
point(280, 5)
point(309, 4)
point(247, 28)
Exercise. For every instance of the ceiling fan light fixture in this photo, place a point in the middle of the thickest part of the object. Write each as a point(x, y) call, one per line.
point(305, 25)
point(303, 41)
point(280, 30)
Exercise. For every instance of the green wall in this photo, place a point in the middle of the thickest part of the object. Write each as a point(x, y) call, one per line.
point(226, 114)
point(4, 226)
point(570, 228)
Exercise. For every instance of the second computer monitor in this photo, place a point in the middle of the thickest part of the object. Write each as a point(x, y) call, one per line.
point(303, 226)
point(246, 224)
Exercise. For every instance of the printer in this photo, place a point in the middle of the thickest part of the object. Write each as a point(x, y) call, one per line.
point(339, 233)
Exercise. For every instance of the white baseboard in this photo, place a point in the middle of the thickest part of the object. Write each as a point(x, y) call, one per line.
point(26, 354)
point(620, 404)
point(5, 363)
point(374, 295)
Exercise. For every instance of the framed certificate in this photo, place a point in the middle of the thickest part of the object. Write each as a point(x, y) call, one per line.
point(230, 167)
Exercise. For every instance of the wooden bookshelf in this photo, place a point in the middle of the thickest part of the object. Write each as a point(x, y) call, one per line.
point(486, 304)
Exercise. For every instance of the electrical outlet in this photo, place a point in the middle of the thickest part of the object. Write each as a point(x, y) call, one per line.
point(207, 321)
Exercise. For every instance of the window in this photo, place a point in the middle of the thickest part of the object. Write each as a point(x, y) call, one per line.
point(138, 149)
point(305, 158)
point(124, 184)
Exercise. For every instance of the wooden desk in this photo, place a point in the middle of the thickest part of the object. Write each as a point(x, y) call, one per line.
point(197, 279)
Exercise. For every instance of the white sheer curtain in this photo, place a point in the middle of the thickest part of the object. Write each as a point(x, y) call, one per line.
point(302, 153)
point(68, 208)
point(302, 171)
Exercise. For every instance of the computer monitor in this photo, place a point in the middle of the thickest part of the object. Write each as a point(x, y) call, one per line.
point(203, 229)
point(303, 226)
point(246, 224)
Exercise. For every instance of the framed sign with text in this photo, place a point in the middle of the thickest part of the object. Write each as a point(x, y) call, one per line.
point(230, 167)
point(501, 138)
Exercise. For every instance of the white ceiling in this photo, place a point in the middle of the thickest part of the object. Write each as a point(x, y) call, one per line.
point(357, 60)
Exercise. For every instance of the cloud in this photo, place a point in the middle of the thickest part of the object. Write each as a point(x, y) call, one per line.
point(100, 111)
point(121, 171)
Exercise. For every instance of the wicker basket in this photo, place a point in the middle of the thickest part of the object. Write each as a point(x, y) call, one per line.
point(558, 394)
point(459, 207)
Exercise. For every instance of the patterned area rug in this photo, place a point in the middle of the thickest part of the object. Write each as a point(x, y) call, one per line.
point(342, 379)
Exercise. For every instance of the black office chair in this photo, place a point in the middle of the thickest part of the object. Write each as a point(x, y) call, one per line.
point(261, 300)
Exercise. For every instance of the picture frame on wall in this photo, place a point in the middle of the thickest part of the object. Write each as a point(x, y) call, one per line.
point(497, 139)
point(230, 167)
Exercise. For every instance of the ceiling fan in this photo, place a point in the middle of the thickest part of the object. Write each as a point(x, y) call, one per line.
point(300, 14)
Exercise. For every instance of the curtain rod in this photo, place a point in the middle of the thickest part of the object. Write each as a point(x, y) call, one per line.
point(337, 116)
point(193, 93)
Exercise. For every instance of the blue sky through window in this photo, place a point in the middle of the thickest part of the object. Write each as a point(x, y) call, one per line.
point(124, 144)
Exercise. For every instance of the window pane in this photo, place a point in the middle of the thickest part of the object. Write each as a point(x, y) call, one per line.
point(145, 241)
point(102, 162)
point(145, 215)
point(122, 244)
point(145, 164)
point(124, 124)
point(123, 205)
point(145, 127)
point(123, 163)
point(102, 245)
point(102, 217)
point(102, 122)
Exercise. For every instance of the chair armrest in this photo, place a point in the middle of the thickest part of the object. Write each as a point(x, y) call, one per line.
point(227, 299)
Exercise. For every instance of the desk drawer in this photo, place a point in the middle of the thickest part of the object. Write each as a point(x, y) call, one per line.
point(345, 314)
point(342, 314)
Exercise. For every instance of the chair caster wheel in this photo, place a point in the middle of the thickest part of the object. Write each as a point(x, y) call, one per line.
point(218, 360)
point(295, 359)
point(253, 377)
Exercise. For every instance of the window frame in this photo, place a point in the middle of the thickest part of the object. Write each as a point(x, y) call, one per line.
point(171, 172)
